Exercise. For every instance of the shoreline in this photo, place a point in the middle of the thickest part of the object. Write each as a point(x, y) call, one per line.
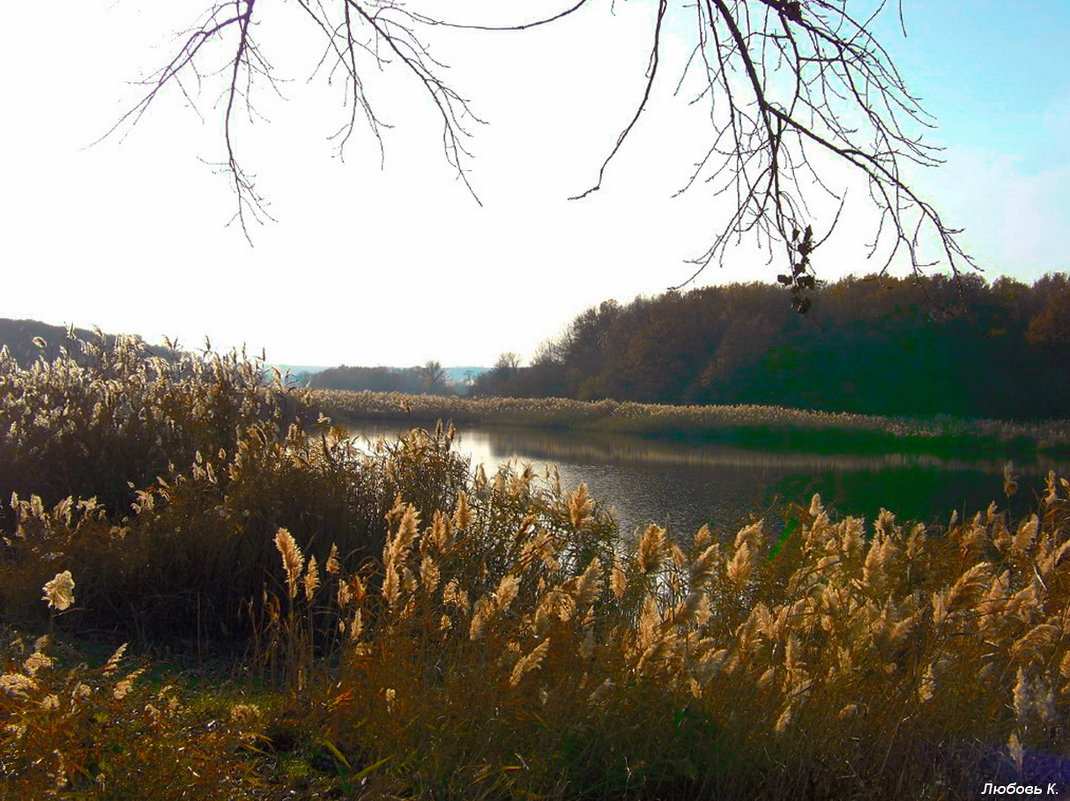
point(749, 426)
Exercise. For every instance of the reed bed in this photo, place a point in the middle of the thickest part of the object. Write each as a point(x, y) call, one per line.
point(841, 660)
point(646, 418)
point(492, 637)
point(162, 483)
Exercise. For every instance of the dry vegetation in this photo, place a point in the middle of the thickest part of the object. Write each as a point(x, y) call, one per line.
point(402, 628)
point(647, 418)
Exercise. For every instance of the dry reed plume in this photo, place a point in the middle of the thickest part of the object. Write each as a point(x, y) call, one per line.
point(847, 661)
point(424, 631)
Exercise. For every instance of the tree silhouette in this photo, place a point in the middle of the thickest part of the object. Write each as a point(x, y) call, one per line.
point(507, 363)
point(432, 376)
point(790, 88)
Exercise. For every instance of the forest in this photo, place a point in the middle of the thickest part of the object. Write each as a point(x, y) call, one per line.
point(918, 346)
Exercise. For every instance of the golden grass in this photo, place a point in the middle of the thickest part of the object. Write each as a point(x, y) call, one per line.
point(849, 661)
point(70, 731)
point(425, 633)
point(161, 484)
point(628, 417)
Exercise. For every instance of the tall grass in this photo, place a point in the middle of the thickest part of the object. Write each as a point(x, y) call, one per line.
point(161, 485)
point(426, 632)
point(839, 661)
point(93, 423)
point(733, 421)
point(71, 731)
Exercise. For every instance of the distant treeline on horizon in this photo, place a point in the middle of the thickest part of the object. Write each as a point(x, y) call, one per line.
point(874, 345)
point(30, 340)
point(431, 377)
point(918, 347)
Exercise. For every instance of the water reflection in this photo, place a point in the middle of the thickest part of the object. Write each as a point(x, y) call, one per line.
point(683, 485)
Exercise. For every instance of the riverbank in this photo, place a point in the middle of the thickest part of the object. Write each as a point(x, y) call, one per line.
point(747, 426)
point(311, 619)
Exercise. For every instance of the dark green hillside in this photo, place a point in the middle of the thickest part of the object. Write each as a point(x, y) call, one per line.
point(888, 346)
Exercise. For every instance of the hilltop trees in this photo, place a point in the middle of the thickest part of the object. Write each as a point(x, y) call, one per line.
point(507, 362)
point(1051, 326)
point(795, 91)
point(869, 346)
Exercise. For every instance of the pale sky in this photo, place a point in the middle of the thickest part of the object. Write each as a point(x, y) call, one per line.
point(399, 265)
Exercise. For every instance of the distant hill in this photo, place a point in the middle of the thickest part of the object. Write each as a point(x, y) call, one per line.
point(19, 337)
point(299, 374)
point(453, 374)
point(297, 369)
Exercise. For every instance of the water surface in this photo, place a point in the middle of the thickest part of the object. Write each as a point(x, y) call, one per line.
point(683, 485)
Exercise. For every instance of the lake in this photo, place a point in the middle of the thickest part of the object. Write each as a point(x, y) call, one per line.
point(683, 485)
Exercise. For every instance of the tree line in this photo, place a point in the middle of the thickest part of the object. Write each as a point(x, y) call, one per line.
point(920, 346)
point(431, 377)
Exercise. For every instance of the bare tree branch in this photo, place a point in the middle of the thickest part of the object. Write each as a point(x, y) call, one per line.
point(816, 82)
point(359, 35)
point(789, 85)
point(651, 73)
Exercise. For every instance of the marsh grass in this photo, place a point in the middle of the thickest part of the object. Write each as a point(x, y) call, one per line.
point(400, 627)
point(845, 661)
point(161, 483)
point(74, 731)
point(746, 425)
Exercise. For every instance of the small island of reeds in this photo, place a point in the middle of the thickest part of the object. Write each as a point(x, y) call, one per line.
point(745, 425)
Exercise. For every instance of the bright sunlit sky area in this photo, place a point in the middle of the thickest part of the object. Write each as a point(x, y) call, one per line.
point(397, 264)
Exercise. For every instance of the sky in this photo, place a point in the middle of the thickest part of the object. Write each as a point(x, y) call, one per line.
point(393, 261)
